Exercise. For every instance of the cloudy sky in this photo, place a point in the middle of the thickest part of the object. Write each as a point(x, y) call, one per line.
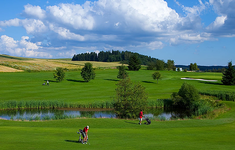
point(186, 31)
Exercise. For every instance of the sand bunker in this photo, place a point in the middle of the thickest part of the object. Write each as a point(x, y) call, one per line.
point(199, 79)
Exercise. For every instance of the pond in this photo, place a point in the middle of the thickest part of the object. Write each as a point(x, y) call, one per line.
point(54, 114)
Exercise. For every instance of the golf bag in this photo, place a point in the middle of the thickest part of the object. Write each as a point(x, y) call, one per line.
point(81, 136)
point(148, 121)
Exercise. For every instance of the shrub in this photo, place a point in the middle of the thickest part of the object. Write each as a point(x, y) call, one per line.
point(186, 96)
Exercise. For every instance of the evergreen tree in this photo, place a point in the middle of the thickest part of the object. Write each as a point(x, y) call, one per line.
point(122, 74)
point(229, 75)
point(134, 63)
point(88, 72)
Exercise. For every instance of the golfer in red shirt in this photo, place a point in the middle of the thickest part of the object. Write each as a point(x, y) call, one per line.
point(140, 116)
point(85, 130)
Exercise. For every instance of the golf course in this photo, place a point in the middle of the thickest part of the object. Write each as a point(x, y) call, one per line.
point(21, 80)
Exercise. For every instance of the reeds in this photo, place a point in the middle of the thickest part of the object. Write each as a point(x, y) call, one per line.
point(12, 104)
point(221, 95)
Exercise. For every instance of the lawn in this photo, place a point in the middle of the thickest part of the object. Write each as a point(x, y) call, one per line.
point(216, 134)
point(28, 86)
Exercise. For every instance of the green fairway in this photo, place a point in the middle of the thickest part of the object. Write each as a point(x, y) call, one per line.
point(216, 134)
point(28, 86)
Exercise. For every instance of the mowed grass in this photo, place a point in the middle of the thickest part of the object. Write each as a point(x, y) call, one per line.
point(28, 86)
point(216, 134)
point(115, 134)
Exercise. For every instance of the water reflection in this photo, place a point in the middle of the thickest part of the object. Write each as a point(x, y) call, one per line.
point(46, 114)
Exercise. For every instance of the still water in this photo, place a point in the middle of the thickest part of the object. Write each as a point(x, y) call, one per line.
point(47, 114)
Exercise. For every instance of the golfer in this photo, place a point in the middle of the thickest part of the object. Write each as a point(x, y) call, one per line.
point(140, 116)
point(85, 131)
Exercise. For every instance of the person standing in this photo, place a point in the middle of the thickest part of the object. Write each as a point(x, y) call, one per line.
point(141, 116)
point(47, 82)
point(85, 131)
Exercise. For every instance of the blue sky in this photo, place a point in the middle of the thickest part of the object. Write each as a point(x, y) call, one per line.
point(186, 31)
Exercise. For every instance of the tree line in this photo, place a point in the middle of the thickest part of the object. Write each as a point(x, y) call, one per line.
point(112, 56)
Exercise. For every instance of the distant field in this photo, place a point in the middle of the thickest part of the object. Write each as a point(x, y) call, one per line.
point(9, 69)
point(19, 63)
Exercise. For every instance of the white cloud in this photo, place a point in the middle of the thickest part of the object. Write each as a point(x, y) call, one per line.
point(73, 15)
point(23, 48)
point(224, 23)
point(219, 21)
point(190, 38)
point(33, 26)
point(12, 22)
point(66, 34)
point(150, 15)
point(34, 11)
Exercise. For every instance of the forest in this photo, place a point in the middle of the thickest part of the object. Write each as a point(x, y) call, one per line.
point(112, 56)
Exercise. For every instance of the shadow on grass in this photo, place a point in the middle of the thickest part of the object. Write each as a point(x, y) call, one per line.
point(50, 80)
point(75, 80)
point(112, 79)
point(214, 83)
point(131, 122)
point(148, 82)
point(73, 141)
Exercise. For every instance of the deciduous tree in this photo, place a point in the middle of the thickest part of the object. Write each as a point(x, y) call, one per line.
point(156, 75)
point(59, 74)
point(130, 99)
point(88, 72)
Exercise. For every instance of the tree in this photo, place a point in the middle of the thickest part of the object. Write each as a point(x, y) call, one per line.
point(151, 65)
point(229, 75)
point(88, 72)
point(170, 64)
point(186, 96)
point(156, 75)
point(160, 64)
point(134, 63)
point(130, 99)
point(193, 67)
point(59, 74)
point(122, 74)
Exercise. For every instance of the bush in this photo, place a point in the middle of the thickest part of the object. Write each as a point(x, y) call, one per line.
point(186, 96)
